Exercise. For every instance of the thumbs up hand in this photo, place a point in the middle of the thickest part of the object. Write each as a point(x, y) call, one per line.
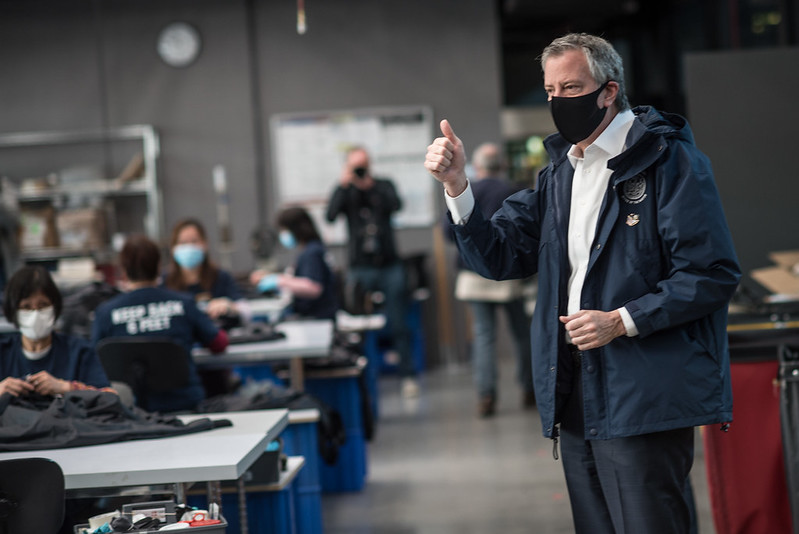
point(446, 160)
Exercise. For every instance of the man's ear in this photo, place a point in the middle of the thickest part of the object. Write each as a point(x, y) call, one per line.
point(611, 91)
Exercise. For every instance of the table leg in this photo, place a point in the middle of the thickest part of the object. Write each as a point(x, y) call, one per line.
point(296, 376)
point(244, 528)
point(180, 493)
point(213, 492)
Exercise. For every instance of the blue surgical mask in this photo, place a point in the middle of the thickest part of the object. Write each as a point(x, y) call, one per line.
point(287, 239)
point(188, 256)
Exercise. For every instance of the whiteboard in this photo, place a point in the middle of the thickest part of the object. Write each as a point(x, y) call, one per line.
point(309, 151)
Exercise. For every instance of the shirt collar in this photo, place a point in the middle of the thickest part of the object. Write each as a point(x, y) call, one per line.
point(612, 139)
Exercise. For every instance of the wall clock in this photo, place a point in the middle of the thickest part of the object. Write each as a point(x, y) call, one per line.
point(179, 44)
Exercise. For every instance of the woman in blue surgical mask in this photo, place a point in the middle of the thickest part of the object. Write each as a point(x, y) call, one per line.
point(38, 360)
point(191, 270)
point(310, 280)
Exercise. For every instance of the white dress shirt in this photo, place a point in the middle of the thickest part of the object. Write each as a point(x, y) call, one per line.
point(591, 176)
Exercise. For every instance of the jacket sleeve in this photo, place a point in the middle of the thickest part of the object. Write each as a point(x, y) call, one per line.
point(90, 370)
point(336, 204)
point(97, 325)
point(446, 227)
point(393, 200)
point(506, 246)
point(203, 328)
point(701, 271)
point(228, 287)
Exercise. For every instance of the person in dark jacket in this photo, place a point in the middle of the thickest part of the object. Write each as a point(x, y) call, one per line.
point(311, 281)
point(635, 267)
point(486, 297)
point(37, 359)
point(149, 310)
point(368, 203)
point(191, 270)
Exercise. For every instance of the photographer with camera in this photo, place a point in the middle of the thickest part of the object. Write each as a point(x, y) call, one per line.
point(368, 204)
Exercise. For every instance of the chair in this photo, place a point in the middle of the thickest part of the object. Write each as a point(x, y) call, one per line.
point(147, 364)
point(31, 496)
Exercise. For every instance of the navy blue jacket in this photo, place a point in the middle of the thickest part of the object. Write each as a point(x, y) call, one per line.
point(224, 286)
point(489, 192)
point(154, 311)
point(662, 249)
point(70, 358)
point(312, 264)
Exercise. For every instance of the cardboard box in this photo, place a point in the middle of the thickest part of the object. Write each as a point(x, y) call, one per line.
point(84, 228)
point(783, 278)
point(38, 228)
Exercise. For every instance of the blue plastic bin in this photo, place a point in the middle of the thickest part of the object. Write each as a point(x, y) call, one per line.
point(268, 512)
point(301, 439)
point(343, 394)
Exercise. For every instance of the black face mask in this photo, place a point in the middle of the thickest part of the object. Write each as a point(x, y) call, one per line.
point(577, 117)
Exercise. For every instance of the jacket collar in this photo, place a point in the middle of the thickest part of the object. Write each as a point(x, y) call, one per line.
point(644, 148)
point(646, 142)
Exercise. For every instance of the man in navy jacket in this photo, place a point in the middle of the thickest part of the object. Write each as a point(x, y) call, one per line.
point(635, 266)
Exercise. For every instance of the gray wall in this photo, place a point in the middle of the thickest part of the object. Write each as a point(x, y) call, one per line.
point(83, 64)
point(744, 113)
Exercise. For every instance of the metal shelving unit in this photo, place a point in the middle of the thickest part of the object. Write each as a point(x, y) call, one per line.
point(43, 153)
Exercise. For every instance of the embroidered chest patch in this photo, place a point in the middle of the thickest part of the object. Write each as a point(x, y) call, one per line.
point(634, 190)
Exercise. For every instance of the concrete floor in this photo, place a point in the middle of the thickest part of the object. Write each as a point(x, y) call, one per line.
point(435, 468)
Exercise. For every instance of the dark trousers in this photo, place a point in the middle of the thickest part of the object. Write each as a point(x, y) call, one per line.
point(391, 281)
point(484, 344)
point(630, 485)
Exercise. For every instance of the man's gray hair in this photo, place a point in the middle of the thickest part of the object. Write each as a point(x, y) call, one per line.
point(604, 62)
point(489, 157)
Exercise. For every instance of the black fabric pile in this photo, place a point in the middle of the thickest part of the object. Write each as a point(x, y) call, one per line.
point(81, 418)
point(79, 305)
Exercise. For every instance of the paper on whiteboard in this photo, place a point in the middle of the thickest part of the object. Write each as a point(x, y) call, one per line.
point(310, 149)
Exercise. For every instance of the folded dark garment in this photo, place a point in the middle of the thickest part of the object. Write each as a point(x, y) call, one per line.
point(81, 418)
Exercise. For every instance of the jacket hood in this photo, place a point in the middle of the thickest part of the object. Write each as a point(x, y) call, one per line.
point(669, 125)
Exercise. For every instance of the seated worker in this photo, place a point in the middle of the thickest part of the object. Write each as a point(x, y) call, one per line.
point(149, 310)
point(192, 271)
point(311, 281)
point(36, 359)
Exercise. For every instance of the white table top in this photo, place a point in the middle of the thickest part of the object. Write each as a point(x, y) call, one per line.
point(308, 415)
point(359, 323)
point(218, 454)
point(270, 307)
point(304, 339)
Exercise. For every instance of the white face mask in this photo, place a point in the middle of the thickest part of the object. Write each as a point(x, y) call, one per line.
point(36, 324)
